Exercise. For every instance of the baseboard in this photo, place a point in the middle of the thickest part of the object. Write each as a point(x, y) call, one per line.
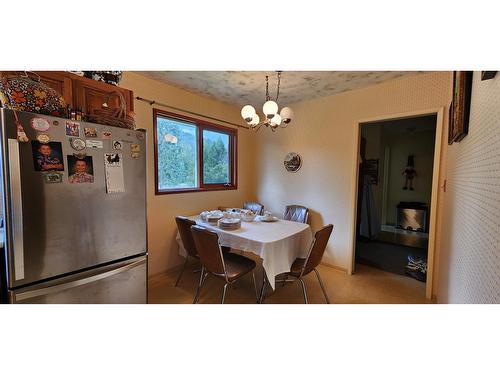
point(338, 268)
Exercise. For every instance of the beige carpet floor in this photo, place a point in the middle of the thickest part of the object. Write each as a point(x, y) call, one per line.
point(367, 285)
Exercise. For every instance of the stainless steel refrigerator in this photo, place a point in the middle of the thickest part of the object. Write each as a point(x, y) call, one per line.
point(74, 211)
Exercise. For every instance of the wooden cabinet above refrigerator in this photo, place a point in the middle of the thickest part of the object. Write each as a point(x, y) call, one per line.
point(81, 92)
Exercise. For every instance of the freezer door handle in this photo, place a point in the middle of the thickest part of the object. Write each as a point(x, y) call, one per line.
point(17, 297)
point(16, 208)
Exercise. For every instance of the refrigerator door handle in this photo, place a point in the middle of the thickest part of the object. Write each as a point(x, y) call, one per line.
point(16, 208)
point(72, 284)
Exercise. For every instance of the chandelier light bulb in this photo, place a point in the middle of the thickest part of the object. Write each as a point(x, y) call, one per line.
point(276, 120)
point(287, 115)
point(270, 109)
point(255, 119)
point(247, 112)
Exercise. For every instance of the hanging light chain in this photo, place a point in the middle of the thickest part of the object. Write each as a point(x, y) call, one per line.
point(267, 89)
point(278, 89)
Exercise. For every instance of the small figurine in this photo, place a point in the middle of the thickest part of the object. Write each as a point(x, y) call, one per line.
point(409, 172)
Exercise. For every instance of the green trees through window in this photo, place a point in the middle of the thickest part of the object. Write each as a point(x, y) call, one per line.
point(178, 143)
point(215, 157)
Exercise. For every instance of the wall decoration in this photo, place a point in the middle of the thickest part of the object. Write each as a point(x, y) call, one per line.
point(488, 75)
point(40, 124)
point(77, 144)
point(409, 172)
point(459, 120)
point(370, 168)
point(292, 162)
point(47, 156)
point(90, 132)
point(117, 145)
point(80, 169)
point(72, 129)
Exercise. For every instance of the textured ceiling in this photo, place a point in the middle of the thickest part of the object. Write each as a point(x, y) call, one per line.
point(249, 87)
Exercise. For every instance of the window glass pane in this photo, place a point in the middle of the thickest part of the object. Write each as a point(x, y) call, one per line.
point(216, 162)
point(177, 154)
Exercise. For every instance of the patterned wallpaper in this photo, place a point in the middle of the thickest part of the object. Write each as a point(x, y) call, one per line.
point(470, 259)
point(247, 87)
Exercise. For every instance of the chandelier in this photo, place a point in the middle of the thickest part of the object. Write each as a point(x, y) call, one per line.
point(272, 119)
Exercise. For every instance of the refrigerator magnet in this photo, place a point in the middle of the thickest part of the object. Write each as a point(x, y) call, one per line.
point(40, 124)
point(134, 147)
point(117, 145)
point(90, 132)
point(52, 177)
point(106, 134)
point(135, 155)
point(55, 122)
point(43, 138)
point(140, 135)
point(77, 144)
point(72, 129)
point(91, 143)
point(47, 156)
point(80, 169)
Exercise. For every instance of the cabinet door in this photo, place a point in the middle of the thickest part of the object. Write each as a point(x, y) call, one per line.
point(90, 95)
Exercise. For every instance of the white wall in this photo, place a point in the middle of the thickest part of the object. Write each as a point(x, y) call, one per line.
point(324, 134)
point(469, 263)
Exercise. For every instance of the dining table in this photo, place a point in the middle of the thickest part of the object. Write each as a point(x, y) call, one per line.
point(278, 243)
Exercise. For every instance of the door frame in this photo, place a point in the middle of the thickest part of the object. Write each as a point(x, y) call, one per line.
point(436, 173)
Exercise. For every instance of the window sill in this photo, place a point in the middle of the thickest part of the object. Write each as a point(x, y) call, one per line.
point(195, 190)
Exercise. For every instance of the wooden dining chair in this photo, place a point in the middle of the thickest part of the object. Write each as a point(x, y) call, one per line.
point(184, 226)
point(296, 213)
point(304, 266)
point(255, 207)
point(226, 266)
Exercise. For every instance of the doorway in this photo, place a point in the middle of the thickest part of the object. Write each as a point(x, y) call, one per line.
point(396, 194)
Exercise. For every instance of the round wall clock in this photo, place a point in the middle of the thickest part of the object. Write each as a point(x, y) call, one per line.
point(292, 162)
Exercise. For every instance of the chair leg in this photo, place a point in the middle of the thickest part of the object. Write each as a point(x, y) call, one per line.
point(304, 290)
point(200, 284)
point(182, 271)
point(224, 293)
point(322, 286)
point(263, 289)
point(255, 287)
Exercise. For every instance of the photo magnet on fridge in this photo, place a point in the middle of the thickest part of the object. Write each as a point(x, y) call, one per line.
point(90, 132)
point(80, 169)
point(72, 129)
point(47, 156)
point(106, 134)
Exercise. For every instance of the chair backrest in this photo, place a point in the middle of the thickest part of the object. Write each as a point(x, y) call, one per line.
point(297, 213)
point(255, 207)
point(207, 243)
point(321, 238)
point(184, 225)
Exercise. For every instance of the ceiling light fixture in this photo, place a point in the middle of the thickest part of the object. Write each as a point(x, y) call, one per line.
point(272, 118)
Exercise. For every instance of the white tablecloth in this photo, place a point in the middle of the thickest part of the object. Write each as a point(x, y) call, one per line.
point(278, 243)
